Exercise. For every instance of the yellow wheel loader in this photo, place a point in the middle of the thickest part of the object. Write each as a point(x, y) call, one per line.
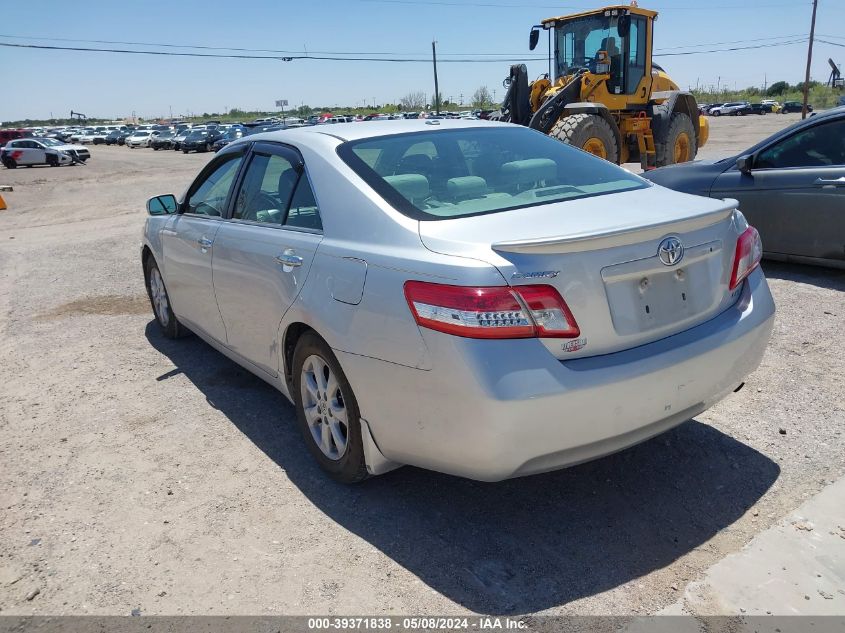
point(603, 93)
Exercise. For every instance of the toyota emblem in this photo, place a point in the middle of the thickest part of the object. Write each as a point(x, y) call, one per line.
point(670, 251)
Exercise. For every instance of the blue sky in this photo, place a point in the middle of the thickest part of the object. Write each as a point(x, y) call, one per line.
point(36, 83)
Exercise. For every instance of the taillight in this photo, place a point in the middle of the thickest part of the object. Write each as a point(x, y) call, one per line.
point(749, 251)
point(491, 311)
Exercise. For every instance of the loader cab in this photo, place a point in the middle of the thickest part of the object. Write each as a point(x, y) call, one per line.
point(614, 41)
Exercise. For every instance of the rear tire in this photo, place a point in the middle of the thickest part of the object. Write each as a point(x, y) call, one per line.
point(10, 163)
point(588, 132)
point(160, 302)
point(679, 146)
point(331, 426)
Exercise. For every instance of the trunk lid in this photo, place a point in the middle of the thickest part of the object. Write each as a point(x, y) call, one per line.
point(601, 253)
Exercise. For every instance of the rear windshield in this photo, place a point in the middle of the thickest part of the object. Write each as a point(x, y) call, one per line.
point(442, 174)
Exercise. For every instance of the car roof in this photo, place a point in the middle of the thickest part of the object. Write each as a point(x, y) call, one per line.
point(373, 129)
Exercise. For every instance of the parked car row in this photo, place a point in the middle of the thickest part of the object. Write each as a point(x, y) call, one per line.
point(741, 108)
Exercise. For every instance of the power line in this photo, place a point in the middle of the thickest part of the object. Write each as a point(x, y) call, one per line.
point(358, 53)
point(303, 53)
point(702, 7)
point(360, 57)
point(286, 58)
point(757, 39)
point(734, 48)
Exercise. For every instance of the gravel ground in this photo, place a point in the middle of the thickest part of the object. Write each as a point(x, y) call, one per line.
point(138, 473)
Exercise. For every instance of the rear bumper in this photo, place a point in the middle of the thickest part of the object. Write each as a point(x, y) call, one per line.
point(491, 410)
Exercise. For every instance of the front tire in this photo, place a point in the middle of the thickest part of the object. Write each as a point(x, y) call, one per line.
point(160, 302)
point(679, 146)
point(588, 132)
point(53, 161)
point(327, 411)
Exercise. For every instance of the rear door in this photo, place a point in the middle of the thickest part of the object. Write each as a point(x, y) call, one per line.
point(189, 245)
point(264, 251)
point(795, 194)
point(35, 154)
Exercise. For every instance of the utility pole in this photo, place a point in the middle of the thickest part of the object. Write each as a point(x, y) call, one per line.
point(809, 59)
point(436, 86)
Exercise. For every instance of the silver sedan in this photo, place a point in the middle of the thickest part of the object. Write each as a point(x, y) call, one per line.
point(465, 296)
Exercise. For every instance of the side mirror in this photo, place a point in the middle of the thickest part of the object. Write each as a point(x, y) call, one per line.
point(533, 38)
point(623, 26)
point(744, 164)
point(162, 205)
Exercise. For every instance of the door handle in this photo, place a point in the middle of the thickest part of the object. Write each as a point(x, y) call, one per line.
point(289, 258)
point(205, 242)
point(832, 182)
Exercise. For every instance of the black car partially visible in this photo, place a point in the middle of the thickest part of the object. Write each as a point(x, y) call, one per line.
point(228, 137)
point(200, 141)
point(162, 141)
point(113, 137)
point(794, 106)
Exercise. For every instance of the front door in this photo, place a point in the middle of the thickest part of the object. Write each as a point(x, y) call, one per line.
point(189, 245)
point(264, 252)
point(795, 193)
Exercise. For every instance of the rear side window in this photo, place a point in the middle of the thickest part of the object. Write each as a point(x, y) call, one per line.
point(455, 173)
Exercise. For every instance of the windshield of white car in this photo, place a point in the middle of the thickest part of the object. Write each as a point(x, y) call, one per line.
point(456, 173)
point(49, 141)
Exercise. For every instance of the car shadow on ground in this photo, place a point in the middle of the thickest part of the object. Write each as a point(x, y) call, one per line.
point(832, 278)
point(518, 546)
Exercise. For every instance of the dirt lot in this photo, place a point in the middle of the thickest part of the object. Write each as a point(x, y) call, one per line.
point(141, 473)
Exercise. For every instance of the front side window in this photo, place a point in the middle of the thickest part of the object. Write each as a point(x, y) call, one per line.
point(209, 198)
point(818, 146)
point(479, 170)
point(579, 42)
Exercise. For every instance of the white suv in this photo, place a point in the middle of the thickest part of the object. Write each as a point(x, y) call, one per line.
point(41, 151)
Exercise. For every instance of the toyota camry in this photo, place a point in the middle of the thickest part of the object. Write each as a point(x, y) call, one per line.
point(470, 297)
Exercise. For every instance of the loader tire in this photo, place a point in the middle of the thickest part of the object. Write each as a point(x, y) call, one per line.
point(588, 132)
point(679, 145)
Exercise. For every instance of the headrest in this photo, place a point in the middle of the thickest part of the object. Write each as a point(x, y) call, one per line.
point(466, 187)
point(410, 186)
point(523, 172)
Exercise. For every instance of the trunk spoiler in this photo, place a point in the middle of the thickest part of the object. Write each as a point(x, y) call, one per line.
point(616, 236)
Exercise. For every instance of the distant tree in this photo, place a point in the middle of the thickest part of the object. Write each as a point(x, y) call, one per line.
point(778, 88)
point(303, 110)
point(482, 99)
point(413, 101)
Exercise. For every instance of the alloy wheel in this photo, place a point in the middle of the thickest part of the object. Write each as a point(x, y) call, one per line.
point(159, 296)
point(324, 407)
